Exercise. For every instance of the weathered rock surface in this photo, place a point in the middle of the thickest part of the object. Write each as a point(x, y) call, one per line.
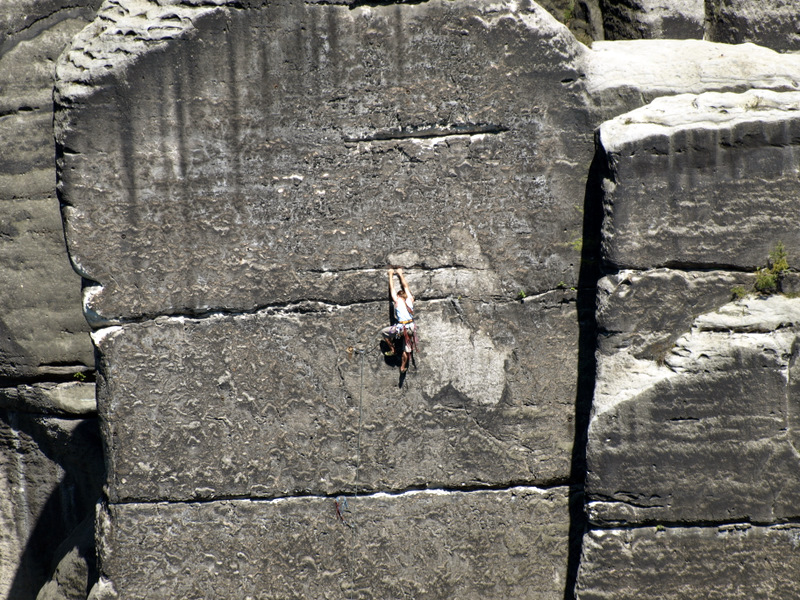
point(50, 468)
point(51, 471)
point(653, 19)
point(719, 563)
point(485, 544)
point(771, 23)
point(183, 198)
point(625, 75)
point(708, 433)
point(281, 402)
point(42, 331)
point(583, 17)
point(643, 313)
point(64, 399)
point(76, 568)
point(236, 180)
point(687, 172)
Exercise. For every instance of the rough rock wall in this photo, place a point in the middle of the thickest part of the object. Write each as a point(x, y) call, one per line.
point(692, 452)
point(50, 460)
point(235, 180)
point(771, 23)
point(653, 19)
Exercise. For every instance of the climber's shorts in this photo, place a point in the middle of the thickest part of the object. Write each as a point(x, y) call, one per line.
point(396, 331)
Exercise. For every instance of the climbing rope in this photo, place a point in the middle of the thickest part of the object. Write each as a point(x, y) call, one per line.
point(360, 418)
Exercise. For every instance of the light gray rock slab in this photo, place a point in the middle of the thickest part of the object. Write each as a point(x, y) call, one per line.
point(703, 181)
point(226, 158)
point(65, 399)
point(706, 433)
point(482, 544)
point(719, 563)
point(653, 19)
point(771, 23)
point(627, 74)
point(282, 402)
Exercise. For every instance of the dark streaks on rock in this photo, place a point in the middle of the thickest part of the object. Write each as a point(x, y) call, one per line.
point(447, 198)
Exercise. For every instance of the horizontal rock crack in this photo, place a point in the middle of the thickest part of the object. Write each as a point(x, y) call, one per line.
point(466, 489)
point(432, 131)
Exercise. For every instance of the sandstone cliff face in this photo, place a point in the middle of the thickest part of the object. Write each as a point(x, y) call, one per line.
point(695, 410)
point(235, 182)
point(235, 177)
point(771, 23)
point(50, 458)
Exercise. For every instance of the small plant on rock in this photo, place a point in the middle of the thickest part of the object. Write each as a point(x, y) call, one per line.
point(766, 282)
point(738, 292)
point(569, 11)
point(770, 278)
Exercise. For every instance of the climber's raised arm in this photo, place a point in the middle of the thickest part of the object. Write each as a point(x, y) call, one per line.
point(404, 283)
point(392, 291)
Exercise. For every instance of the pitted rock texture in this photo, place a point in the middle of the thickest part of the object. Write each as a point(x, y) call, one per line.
point(377, 139)
point(687, 174)
point(653, 19)
point(771, 23)
point(720, 563)
point(708, 432)
point(277, 403)
point(485, 544)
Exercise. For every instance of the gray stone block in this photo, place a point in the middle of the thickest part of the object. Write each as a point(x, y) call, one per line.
point(733, 562)
point(42, 330)
point(706, 433)
point(645, 312)
point(771, 23)
point(475, 545)
point(281, 402)
point(253, 151)
point(703, 181)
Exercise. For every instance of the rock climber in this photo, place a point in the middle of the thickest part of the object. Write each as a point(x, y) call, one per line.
point(403, 328)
